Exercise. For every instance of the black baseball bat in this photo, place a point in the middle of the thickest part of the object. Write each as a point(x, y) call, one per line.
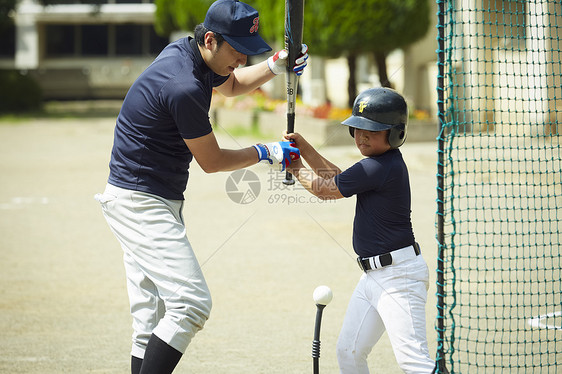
point(294, 19)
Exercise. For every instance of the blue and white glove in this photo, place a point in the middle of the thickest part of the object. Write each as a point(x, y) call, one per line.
point(278, 155)
point(278, 62)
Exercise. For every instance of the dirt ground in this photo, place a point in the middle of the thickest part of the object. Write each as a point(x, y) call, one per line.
point(63, 299)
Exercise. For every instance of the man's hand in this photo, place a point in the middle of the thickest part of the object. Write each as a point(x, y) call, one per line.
point(278, 62)
point(278, 155)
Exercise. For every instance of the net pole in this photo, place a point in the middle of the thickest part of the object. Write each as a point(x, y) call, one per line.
point(440, 357)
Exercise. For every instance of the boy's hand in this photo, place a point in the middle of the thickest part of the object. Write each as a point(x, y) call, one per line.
point(297, 139)
point(278, 155)
point(295, 166)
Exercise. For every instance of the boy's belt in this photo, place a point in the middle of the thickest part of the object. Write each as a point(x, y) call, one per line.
point(394, 257)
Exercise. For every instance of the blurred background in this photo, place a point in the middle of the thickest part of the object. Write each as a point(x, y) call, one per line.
point(59, 51)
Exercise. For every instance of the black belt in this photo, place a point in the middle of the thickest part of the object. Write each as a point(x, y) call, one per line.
point(384, 259)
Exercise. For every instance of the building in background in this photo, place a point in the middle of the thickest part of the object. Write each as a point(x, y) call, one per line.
point(81, 50)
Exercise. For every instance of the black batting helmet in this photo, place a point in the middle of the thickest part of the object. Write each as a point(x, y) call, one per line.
point(379, 109)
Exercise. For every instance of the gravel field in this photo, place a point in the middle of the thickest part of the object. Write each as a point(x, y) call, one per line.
point(63, 298)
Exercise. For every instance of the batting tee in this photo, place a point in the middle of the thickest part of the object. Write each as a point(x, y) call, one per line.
point(499, 186)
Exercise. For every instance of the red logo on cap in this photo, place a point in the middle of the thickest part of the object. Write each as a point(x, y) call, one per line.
point(255, 27)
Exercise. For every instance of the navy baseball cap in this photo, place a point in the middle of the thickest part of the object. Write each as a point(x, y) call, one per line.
point(238, 23)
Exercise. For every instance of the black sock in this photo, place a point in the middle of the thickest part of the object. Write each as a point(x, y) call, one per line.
point(159, 357)
point(136, 364)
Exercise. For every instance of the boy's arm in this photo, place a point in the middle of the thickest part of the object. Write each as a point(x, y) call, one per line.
point(323, 188)
point(321, 166)
point(320, 180)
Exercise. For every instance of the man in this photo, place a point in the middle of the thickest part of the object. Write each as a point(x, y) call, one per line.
point(163, 124)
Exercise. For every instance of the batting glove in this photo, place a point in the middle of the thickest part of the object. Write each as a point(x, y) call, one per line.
point(278, 155)
point(278, 62)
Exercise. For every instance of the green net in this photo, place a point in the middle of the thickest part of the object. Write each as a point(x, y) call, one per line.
point(499, 187)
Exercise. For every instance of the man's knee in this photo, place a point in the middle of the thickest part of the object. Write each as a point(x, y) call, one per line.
point(194, 313)
point(181, 323)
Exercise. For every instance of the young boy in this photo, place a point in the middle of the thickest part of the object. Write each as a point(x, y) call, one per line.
point(392, 292)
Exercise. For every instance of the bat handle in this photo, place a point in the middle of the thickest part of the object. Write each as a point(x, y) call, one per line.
point(288, 181)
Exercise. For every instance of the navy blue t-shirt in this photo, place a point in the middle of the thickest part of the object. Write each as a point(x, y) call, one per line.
point(167, 103)
point(382, 213)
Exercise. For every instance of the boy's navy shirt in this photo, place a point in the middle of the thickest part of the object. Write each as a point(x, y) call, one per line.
point(167, 103)
point(382, 213)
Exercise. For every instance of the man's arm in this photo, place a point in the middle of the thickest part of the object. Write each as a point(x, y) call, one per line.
point(246, 79)
point(212, 158)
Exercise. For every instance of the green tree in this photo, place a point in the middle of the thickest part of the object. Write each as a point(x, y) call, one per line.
point(331, 28)
point(18, 92)
point(175, 15)
point(6, 6)
point(272, 20)
point(378, 27)
point(394, 24)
